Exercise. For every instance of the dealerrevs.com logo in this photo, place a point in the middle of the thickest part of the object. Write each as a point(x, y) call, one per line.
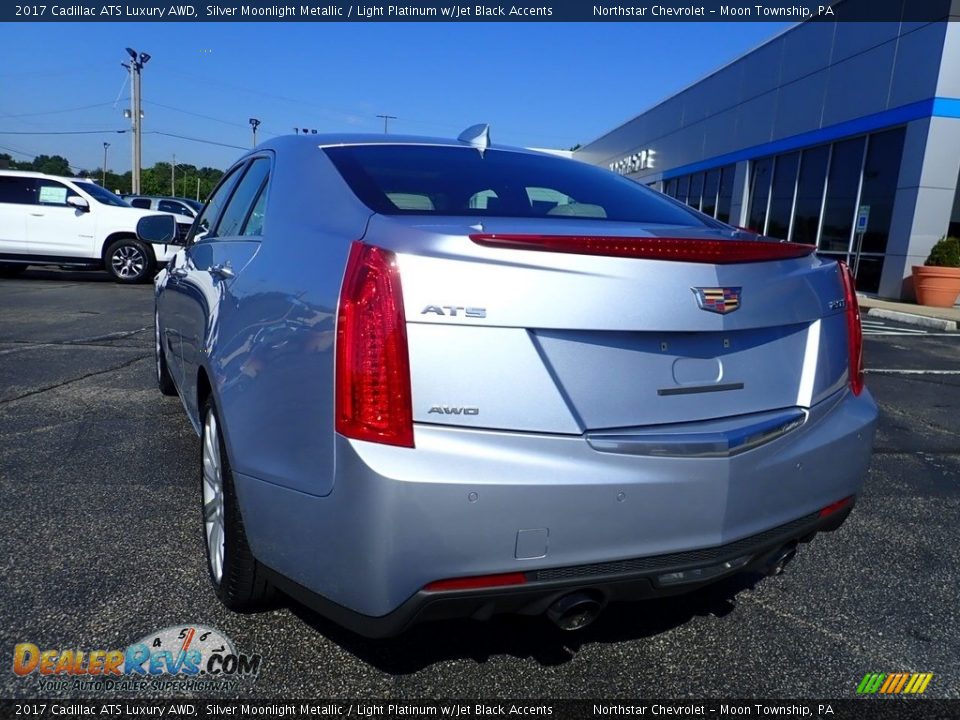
point(180, 657)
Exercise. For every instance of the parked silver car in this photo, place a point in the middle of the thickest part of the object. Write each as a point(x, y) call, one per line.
point(443, 378)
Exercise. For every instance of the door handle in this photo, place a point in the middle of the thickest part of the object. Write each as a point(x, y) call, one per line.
point(179, 272)
point(37, 214)
point(222, 272)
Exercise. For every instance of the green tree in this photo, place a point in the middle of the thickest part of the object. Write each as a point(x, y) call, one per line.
point(52, 165)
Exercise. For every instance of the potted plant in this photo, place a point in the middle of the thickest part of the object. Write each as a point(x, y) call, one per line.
point(937, 281)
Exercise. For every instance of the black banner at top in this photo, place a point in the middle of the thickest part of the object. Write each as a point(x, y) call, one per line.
point(466, 709)
point(481, 11)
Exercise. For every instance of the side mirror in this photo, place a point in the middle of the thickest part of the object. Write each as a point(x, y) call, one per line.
point(157, 229)
point(79, 203)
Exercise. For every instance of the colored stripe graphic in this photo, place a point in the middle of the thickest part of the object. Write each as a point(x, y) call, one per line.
point(871, 683)
point(894, 683)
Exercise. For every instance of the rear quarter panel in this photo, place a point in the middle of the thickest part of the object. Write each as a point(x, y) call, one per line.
point(271, 348)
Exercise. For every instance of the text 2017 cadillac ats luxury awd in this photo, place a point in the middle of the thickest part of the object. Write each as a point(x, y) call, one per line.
point(443, 378)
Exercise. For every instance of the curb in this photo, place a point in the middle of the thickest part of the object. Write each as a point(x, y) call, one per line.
point(921, 320)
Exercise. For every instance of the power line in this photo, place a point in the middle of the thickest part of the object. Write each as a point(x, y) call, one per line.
point(60, 132)
point(72, 70)
point(35, 156)
point(193, 139)
point(56, 112)
point(206, 117)
point(18, 152)
point(99, 132)
point(194, 114)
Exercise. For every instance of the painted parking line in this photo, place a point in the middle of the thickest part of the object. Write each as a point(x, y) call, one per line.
point(896, 371)
point(879, 327)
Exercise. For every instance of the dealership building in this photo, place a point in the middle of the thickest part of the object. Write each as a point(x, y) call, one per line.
point(840, 134)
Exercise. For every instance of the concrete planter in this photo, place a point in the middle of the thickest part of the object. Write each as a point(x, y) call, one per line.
point(936, 286)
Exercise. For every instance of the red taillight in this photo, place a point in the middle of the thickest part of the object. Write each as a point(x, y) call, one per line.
point(718, 252)
point(854, 329)
point(373, 399)
point(836, 507)
point(477, 582)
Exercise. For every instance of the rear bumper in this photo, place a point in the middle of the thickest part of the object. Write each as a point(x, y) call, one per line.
point(469, 502)
point(606, 582)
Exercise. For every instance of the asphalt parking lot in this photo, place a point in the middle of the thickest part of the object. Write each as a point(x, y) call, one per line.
point(102, 545)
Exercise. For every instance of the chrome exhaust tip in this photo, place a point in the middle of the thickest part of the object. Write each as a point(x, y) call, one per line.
point(780, 559)
point(575, 611)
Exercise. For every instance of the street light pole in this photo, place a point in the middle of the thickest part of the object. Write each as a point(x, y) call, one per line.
point(254, 124)
point(173, 176)
point(103, 179)
point(137, 61)
point(386, 119)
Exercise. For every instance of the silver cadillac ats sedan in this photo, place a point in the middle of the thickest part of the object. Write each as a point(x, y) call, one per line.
point(443, 378)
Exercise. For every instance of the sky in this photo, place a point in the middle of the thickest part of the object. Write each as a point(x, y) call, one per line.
point(537, 84)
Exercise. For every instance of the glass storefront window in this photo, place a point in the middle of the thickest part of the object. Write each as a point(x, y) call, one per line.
point(781, 195)
point(806, 216)
point(879, 187)
point(869, 269)
point(683, 186)
point(759, 193)
point(842, 185)
point(710, 183)
point(725, 197)
point(953, 230)
point(696, 190)
point(670, 188)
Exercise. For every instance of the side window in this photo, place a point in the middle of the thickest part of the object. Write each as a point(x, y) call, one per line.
point(241, 202)
point(50, 192)
point(214, 205)
point(544, 201)
point(483, 200)
point(172, 206)
point(19, 190)
point(140, 203)
point(254, 225)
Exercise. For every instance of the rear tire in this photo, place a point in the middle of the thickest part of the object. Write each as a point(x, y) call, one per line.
point(129, 261)
point(239, 580)
point(164, 379)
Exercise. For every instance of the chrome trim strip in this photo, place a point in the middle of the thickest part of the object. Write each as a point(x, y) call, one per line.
point(691, 390)
point(721, 442)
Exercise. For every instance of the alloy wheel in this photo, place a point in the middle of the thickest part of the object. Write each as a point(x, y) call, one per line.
point(213, 521)
point(128, 261)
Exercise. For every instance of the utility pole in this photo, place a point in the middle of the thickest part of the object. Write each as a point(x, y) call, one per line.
point(198, 188)
point(254, 124)
point(137, 61)
point(173, 176)
point(386, 119)
point(103, 180)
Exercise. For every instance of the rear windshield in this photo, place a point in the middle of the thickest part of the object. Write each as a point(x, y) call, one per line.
point(437, 180)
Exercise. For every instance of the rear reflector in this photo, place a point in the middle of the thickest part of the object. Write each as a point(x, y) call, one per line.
point(717, 252)
point(373, 400)
point(477, 582)
point(854, 329)
point(836, 507)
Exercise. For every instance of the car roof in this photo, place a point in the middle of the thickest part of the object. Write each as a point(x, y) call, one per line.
point(156, 197)
point(34, 173)
point(324, 140)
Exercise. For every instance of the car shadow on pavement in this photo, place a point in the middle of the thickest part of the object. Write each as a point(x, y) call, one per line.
point(62, 275)
point(528, 637)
